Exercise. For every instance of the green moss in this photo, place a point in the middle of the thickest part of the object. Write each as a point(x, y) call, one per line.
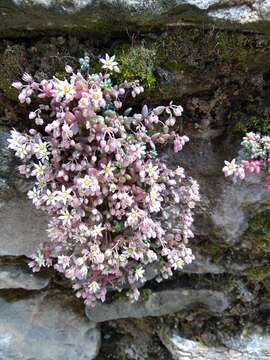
point(258, 233)
point(222, 281)
point(195, 50)
point(120, 296)
point(231, 47)
point(258, 274)
point(60, 75)
point(216, 249)
point(255, 123)
point(137, 62)
point(145, 294)
point(13, 61)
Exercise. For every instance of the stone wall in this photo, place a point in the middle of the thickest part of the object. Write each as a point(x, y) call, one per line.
point(219, 306)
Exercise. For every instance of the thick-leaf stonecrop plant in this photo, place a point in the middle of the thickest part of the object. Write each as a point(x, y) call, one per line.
point(115, 206)
point(255, 159)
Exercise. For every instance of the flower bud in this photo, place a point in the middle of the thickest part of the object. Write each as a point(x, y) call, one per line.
point(17, 85)
point(32, 115)
point(68, 69)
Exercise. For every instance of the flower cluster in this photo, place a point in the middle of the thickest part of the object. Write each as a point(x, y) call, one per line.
point(256, 159)
point(115, 207)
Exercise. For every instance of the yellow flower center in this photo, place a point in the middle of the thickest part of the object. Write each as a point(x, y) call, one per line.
point(179, 262)
point(84, 102)
point(87, 182)
point(107, 169)
point(96, 96)
point(66, 89)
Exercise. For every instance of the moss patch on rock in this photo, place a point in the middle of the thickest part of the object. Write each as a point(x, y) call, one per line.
point(258, 274)
point(197, 49)
point(137, 62)
point(12, 61)
point(255, 123)
point(258, 233)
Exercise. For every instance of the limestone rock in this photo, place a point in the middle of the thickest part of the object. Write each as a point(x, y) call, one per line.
point(182, 348)
point(159, 304)
point(46, 327)
point(235, 205)
point(204, 265)
point(253, 343)
point(5, 162)
point(90, 15)
point(240, 11)
point(22, 227)
point(15, 276)
point(225, 208)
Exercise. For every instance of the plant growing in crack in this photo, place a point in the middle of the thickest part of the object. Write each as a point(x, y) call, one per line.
point(255, 159)
point(115, 206)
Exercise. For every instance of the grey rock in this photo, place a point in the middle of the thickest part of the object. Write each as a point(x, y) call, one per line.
point(235, 205)
point(158, 304)
point(46, 327)
point(228, 10)
point(204, 265)
point(10, 180)
point(263, 8)
point(242, 14)
point(5, 153)
point(22, 227)
point(86, 14)
point(182, 348)
point(253, 342)
point(13, 276)
point(225, 208)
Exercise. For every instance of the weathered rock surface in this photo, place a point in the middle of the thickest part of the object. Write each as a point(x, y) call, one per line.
point(253, 342)
point(221, 77)
point(96, 16)
point(182, 348)
point(227, 214)
point(253, 345)
point(22, 227)
point(204, 264)
point(15, 276)
point(46, 327)
point(229, 10)
point(159, 303)
point(237, 202)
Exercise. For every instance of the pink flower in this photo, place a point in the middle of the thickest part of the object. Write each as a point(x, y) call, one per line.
point(229, 168)
point(68, 69)
point(18, 85)
point(252, 165)
point(179, 142)
point(27, 77)
point(88, 185)
point(64, 195)
point(107, 170)
point(114, 205)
